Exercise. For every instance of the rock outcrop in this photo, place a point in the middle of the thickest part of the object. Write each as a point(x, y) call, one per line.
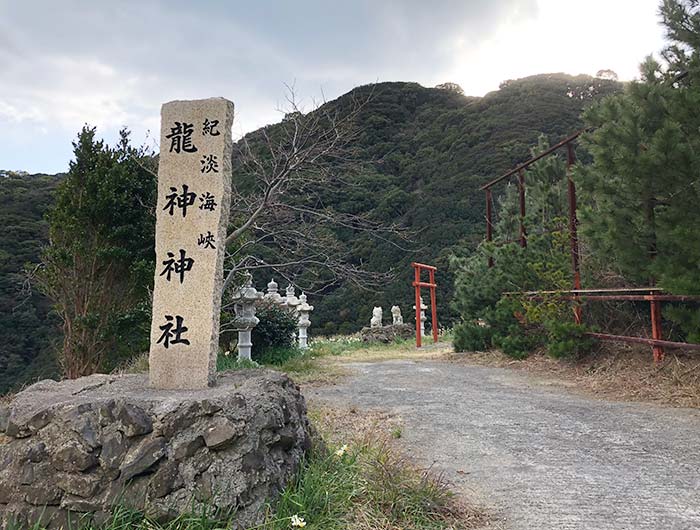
point(387, 334)
point(80, 447)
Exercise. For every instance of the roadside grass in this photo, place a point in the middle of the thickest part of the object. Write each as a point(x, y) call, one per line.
point(362, 482)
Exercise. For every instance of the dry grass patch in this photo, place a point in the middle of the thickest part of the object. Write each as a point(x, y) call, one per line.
point(614, 372)
point(403, 350)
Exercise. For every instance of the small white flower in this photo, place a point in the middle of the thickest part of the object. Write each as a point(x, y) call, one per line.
point(341, 451)
point(298, 521)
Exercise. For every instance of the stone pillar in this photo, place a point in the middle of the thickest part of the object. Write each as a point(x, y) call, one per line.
point(304, 310)
point(194, 193)
point(244, 307)
point(423, 318)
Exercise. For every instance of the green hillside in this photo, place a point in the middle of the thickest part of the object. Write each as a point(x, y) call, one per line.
point(26, 328)
point(424, 153)
point(430, 149)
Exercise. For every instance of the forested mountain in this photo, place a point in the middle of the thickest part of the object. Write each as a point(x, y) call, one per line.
point(424, 153)
point(26, 328)
point(430, 149)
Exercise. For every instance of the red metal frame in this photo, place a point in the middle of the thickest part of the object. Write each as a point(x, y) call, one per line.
point(655, 297)
point(417, 284)
point(521, 193)
point(571, 191)
point(578, 295)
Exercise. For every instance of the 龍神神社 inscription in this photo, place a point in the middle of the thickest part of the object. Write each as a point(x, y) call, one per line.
point(194, 194)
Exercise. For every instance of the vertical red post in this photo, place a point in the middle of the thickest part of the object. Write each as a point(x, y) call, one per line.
point(573, 228)
point(417, 286)
point(521, 191)
point(433, 304)
point(489, 221)
point(656, 332)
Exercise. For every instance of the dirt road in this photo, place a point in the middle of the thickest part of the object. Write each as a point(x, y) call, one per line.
point(540, 456)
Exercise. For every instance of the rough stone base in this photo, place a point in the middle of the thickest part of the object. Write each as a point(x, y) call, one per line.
point(83, 446)
point(388, 334)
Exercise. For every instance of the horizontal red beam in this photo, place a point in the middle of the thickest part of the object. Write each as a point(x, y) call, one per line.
point(637, 297)
point(642, 340)
point(583, 291)
point(525, 165)
point(423, 266)
point(626, 297)
point(424, 284)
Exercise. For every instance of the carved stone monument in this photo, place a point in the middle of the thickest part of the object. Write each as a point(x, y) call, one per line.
point(396, 315)
point(273, 292)
point(304, 309)
point(194, 190)
point(423, 318)
point(290, 300)
point(244, 307)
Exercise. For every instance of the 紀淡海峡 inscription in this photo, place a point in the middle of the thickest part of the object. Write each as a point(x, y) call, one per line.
point(194, 189)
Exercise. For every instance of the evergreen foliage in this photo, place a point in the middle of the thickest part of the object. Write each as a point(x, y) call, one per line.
point(491, 317)
point(422, 154)
point(27, 330)
point(275, 331)
point(641, 191)
point(98, 267)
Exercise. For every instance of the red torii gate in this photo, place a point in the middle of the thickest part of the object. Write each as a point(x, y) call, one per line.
point(417, 284)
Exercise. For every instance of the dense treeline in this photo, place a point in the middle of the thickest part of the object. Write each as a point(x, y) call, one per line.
point(27, 330)
point(421, 155)
point(428, 151)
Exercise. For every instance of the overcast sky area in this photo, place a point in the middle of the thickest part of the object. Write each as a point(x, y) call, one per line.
point(112, 64)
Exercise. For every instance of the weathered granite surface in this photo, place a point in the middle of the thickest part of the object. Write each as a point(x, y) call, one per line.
point(194, 195)
point(388, 334)
point(82, 446)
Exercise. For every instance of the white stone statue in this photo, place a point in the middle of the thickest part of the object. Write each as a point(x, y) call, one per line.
point(244, 308)
point(303, 309)
point(272, 292)
point(396, 315)
point(376, 321)
point(423, 318)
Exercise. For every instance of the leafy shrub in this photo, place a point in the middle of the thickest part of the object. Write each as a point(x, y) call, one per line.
point(470, 336)
point(516, 343)
point(276, 329)
point(567, 339)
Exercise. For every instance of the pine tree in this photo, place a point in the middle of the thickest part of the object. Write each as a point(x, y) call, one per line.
point(642, 190)
point(99, 264)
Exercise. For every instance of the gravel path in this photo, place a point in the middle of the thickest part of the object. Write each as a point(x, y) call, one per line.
point(540, 456)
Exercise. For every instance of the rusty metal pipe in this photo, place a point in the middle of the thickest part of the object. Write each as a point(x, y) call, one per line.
point(642, 340)
point(521, 193)
point(525, 165)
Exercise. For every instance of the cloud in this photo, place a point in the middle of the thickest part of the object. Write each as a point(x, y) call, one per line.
point(112, 64)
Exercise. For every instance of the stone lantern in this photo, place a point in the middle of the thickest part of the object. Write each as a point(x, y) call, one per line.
point(244, 307)
point(304, 310)
point(290, 300)
point(272, 292)
point(423, 318)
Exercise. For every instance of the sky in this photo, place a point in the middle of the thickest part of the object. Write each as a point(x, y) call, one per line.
point(111, 64)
